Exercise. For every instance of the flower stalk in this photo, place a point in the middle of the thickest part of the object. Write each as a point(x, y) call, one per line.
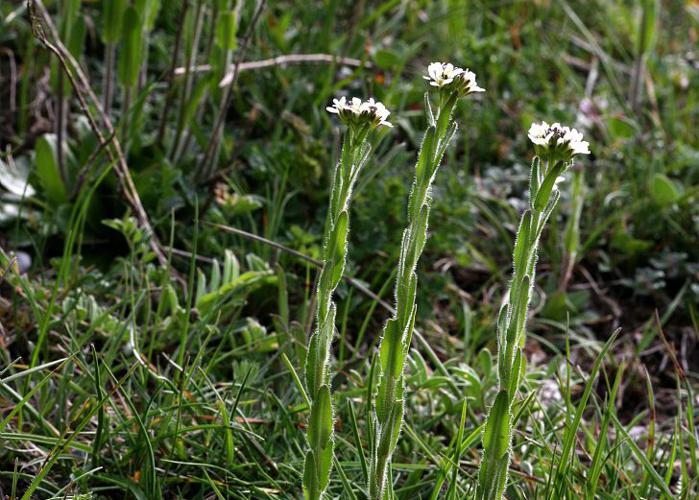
point(388, 410)
point(361, 118)
point(555, 147)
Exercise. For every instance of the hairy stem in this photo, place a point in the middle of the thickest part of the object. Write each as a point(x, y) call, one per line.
point(511, 329)
point(355, 151)
point(395, 342)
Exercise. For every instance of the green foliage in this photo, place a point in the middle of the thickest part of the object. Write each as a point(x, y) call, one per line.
point(353, 157)
point(112, 20)
point(663, 190)
point(496, 453)
point(511, 326)
point(121, 377)
point(132, 47)
point(396, 339)
point(47, 170)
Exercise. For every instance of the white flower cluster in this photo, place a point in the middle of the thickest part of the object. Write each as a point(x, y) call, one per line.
point(446, 75)
point(356, 111)
point(562, 141)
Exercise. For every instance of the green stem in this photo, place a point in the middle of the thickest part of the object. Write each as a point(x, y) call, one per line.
point(319, 434)
point(511, 330)
point(395, 342)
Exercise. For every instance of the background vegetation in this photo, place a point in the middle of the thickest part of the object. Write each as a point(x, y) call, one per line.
point(159, 232)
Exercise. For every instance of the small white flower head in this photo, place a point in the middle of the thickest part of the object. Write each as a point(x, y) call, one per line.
point(356, 112)
point(441, 74)
point(450, 77)
point(560, 143)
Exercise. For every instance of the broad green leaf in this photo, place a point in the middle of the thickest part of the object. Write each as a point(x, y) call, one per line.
point(397, 417)
point(47, 169)
point(522, 305)
point(408, 333)
point(421, 231)
point(663, 190)
point(496, 437)
point(391, 353)
point(553, 201)
point(444, 119)
point(320, 428)
point(407, 292)
point(544, 193)
point(131, 53)
point(76, 43)
point(171, 303)
point(310, 479)
point(496, 441)
point(317, 352)
point(387, 432)
point(226, 30)
point(485, 361)
point(321, 422)
point(112, 20)
point(502, 326)
point(340, 246)
point(515, 372)
point(325, 462)
point(522, 241)
point(312, 375)
point(385, 397)
point(425, 156)
point(148, 10)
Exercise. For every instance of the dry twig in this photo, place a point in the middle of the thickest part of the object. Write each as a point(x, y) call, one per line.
point(275, 61)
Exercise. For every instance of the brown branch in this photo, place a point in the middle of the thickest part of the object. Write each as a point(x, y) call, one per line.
point(282, 60)
point(274, 61)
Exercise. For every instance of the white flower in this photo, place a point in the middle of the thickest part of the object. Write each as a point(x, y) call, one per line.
point(564, 142)
point(468, 79)
point(338, 105)
point(442, 75)
point(378, 110)
point(356, 111)
point(540, 133)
